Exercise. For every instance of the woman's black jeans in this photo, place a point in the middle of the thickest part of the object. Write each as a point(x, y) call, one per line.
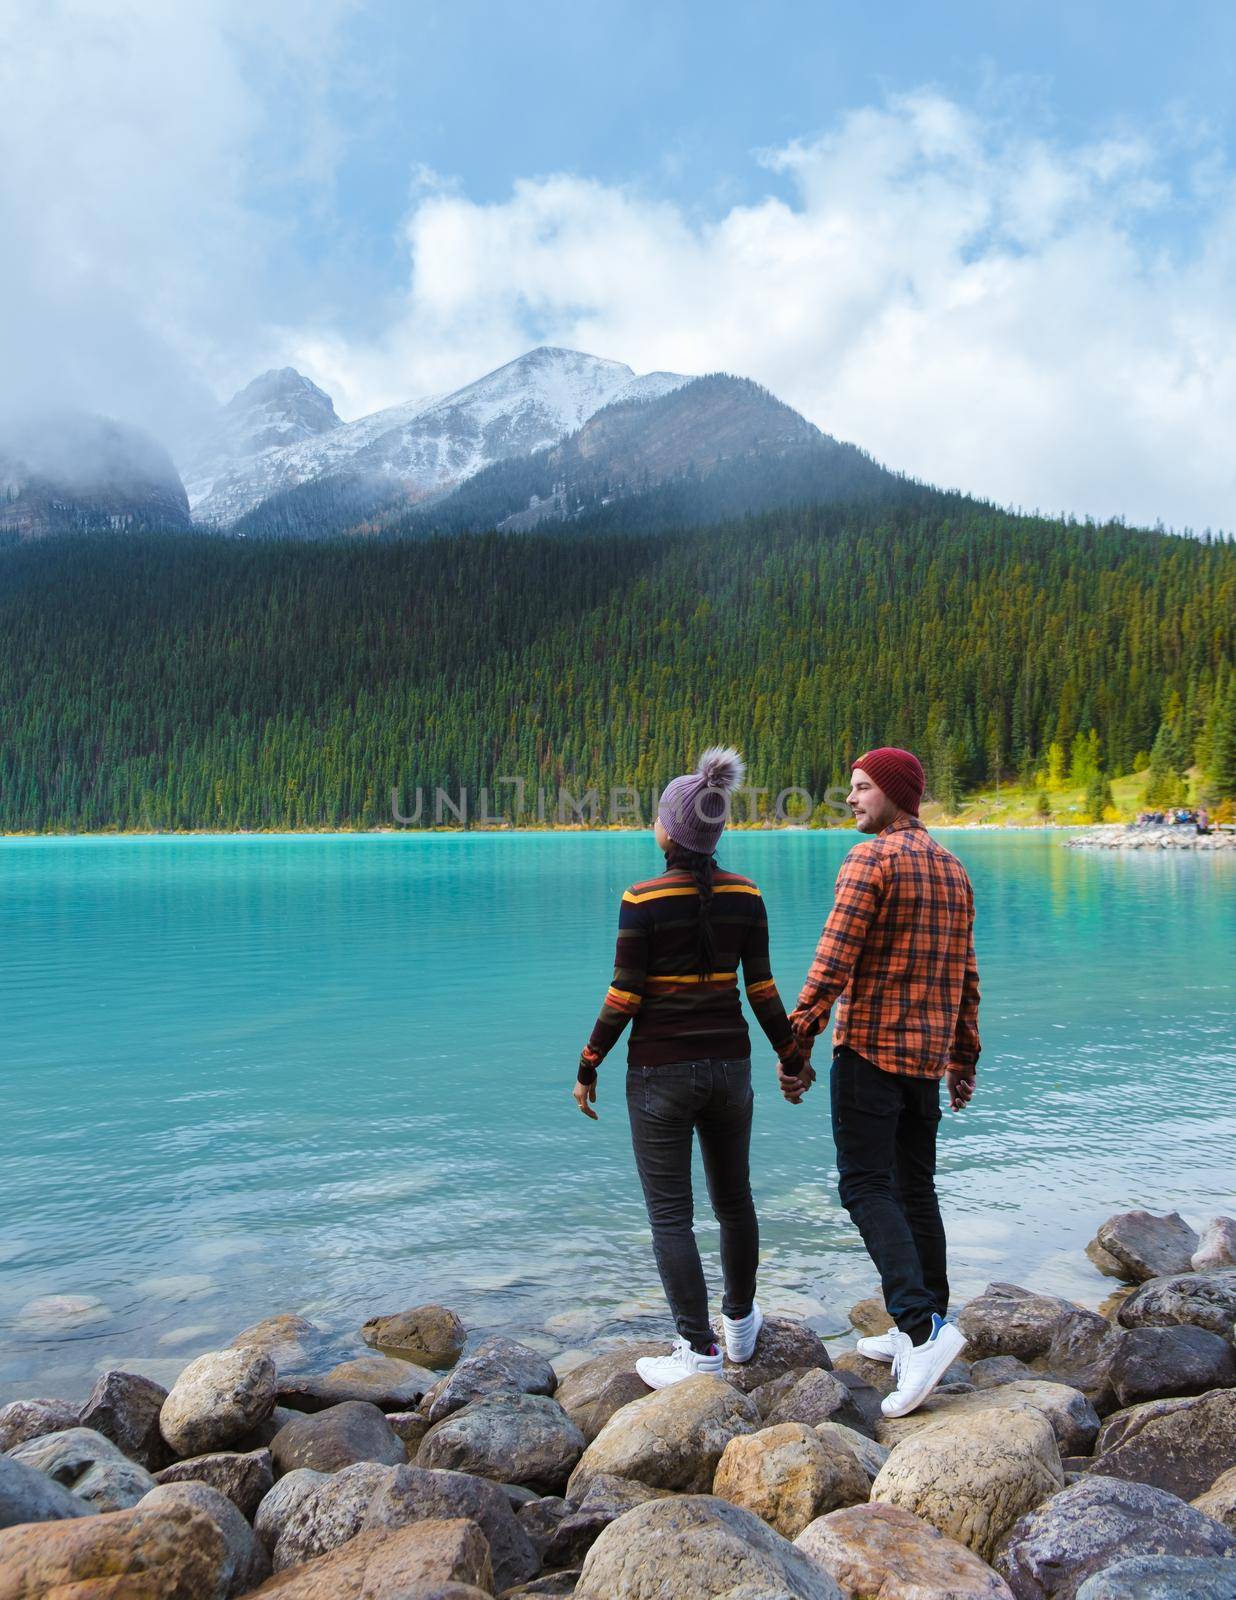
point(667, 1106)
point(884, 1127)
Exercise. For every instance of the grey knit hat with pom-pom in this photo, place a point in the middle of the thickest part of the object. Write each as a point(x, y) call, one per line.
point(695, 808)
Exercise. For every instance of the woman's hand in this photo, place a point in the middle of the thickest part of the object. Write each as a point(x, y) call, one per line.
point(585, 1096)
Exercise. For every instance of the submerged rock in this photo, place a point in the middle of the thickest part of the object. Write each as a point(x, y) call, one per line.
point(886, 1551)
point(1146, 1246)
point(789, 1476)
point(432, 1336)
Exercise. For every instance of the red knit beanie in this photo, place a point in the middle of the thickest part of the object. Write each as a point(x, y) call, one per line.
point(897, 773)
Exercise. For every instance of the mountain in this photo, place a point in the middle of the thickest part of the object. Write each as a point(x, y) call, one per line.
point(714, 447)
point(76, 472)
point(281, 432)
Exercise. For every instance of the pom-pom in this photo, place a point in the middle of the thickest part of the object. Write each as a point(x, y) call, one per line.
point(721, 767)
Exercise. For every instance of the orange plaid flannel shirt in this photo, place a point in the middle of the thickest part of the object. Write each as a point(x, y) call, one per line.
point(898, 948)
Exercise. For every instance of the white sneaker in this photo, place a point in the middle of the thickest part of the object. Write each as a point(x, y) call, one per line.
point(879, 1347)
point(658, 1372)
point(740, 1335)
point(918, 1368)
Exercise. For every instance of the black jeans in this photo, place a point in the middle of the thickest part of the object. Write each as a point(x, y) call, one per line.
point(884, 1127)
point(667, 1106)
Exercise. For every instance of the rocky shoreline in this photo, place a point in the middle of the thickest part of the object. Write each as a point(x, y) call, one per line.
point(1123, 836)
point(1069, 1454)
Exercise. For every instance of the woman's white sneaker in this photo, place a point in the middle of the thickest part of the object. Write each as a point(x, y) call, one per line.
point(918, 1368)
point(879, 1347)
point(658, 1372)
point(741, 1335)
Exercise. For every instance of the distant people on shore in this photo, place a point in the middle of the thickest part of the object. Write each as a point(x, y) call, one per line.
point(682, 936)
point(1175, 817)
point(897, 958)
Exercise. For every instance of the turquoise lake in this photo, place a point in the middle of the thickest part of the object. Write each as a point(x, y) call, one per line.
point(331, 1075)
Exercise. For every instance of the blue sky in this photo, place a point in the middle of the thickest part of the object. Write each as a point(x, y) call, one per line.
point(995, 244)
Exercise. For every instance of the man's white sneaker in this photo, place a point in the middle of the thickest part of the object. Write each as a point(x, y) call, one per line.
point(740, 1335)
point(918, 1368)
point(658, 1372)
point(879, 1347)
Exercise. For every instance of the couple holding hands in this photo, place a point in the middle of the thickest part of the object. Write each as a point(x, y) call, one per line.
point(896, 957)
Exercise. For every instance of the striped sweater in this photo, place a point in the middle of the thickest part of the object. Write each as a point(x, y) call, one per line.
point(675, 1014)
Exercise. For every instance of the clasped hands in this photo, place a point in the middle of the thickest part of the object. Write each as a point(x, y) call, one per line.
point(795, 1081)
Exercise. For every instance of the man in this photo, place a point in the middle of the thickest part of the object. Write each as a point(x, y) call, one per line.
point(898, 949)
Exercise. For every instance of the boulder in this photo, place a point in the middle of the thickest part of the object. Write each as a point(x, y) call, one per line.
point(817, 1396)
point(992, 1371)
point(1007, 1320)
point(244, 1477)
point(432, 1336)
point(868, 1399)
point(156, 1552)
point(287, 1339)
point(259, 1438)
point(869, 1455)
point(92, 1467)
point(497, 1365)
point(1217, 1245)
point(28, 1495)
point(789, 1476)
point(606, 1500)
point(332, 1511)
point(434, 1559)
point(870, 1316)
point(412, 1494)
point(124, 1407)
point(27, 1419)
point(698, 1547)
point(113, 1485)
point(246, 1562)
point(1104, 1260)
point(1201, 1299)
point(1081, 1354)
point(1051, 1551)
point(593, 1391)
point(1163, 1578)
point(1145, 1246)
point(883, 1550)
point(216, 1400)
point(1178, 1445)
point(672, 1439)
point(338, 1437)
point(384, 1382)
point(1155, 1363)
point(526, 1437)
point(541, 1518)
point(1073, 1419)
point(279, 1503)
point(1219, 1501)
point(782, 1345)
point(972, 1476)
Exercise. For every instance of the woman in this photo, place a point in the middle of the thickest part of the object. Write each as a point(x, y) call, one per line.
point(681, 938)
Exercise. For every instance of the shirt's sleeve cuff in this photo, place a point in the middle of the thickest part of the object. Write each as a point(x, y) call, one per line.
point(589, 1060)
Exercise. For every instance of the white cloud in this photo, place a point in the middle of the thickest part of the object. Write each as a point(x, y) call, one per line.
point(978, 307)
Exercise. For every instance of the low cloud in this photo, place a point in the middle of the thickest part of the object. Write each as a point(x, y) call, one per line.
point(980, 308)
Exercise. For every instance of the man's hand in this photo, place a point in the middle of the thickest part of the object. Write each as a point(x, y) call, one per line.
point(585, 1096)
point(794, 1084)
point(960, 1087)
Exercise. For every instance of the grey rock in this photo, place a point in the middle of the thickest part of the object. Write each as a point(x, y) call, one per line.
point(217, 1399)
point(279, 1502)
point(1200, 1299)
point(66, 1456)
point(1007, 1320)
point(1217, 1246)
point(411, 1426)
point(1163, 1578)
point(329, 1514)
point(698, 1547)
point(1081, 1354)
point(413, 1494)
point(592, 1392)
point(113, 1485)
point(383, 1381)
point(992, 1371)
point(246, 1563)
point(28, 1495)
point(818, 1396)
point(784, 1343)
point(606, 1500)
point(539, 1519)
point(869, 1455)
point(1147, 1246)
point(1155, 1363)
point(527, 1437)
point(124, 1407)
point(1178, 1445)
point(27, 1419)
point(338, 1437)
point(496, 1366)
point(432, 1336)
point(554, 1585)
point(1083, 1530)
point(246, 1478)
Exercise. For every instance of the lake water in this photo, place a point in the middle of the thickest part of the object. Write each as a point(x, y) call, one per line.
point(331, 1075)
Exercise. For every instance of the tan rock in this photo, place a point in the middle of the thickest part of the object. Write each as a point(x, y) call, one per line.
point(869, 1455)
point(392, 1565)
point(431, 1335)
point(879, 1374)
point(672, 1439)
point(789, 1476)
point(971, 1476)
point(170, 1552)
point(1219, 1501)
point(885, 1551)
point(1217, 1245)
point(1073, 1419)
point(382, 1381)
point(870, 1316)
point(217, 1399)
point(591, 1393)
